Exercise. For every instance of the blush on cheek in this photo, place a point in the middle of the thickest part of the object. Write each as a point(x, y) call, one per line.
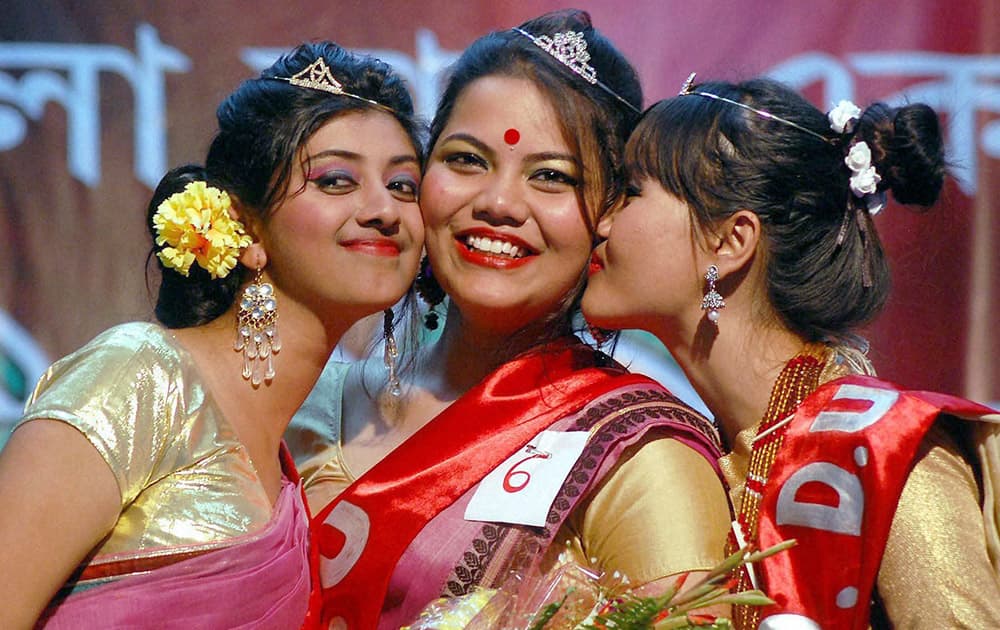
point(437, 199)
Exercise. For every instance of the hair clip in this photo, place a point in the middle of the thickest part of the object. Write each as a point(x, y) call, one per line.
point(688, 86)
point(688, 90)
point(570, 49)
point(317, 76)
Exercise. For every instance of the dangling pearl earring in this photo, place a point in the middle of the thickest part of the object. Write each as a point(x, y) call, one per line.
point(712, 301)
point(256, 331)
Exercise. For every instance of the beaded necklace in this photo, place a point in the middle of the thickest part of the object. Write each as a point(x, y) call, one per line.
point(797, 380)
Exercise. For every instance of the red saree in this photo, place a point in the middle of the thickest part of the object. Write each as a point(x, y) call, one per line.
point(834, 487)
point(396, 539)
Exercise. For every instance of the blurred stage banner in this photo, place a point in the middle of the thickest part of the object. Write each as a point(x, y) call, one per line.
point(98, 100)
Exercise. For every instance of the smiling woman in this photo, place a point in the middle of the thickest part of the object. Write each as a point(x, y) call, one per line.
point(480, 196)
point(359, 172)
point(512, 441)
point(148, 474)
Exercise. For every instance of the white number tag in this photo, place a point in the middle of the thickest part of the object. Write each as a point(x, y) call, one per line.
point(521, 489)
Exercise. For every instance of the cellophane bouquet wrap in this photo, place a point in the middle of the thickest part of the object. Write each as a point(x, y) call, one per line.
point(572, 596)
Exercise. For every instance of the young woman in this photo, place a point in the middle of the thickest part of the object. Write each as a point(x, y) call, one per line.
point(513, 442)
point(145, 484)
point(748, 247)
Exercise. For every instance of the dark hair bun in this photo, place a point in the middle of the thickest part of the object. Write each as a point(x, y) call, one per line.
point(907, 150)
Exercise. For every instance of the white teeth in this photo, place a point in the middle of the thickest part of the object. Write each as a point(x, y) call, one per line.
point(493, 246)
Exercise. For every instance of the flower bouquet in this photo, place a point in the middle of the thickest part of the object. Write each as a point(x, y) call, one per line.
point(578, 597)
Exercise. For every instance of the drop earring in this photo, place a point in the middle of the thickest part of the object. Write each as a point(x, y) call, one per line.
point(256, 331)
point(391, 352)
point(712, 301)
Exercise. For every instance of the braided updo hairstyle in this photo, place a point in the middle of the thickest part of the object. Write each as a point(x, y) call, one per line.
point(263, 125)
point(826, 270)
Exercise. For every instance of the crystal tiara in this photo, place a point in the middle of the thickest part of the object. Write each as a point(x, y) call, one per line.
point(317, 76)
point(570, 49)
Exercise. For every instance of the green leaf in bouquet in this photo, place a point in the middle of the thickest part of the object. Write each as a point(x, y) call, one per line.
point(548, 612)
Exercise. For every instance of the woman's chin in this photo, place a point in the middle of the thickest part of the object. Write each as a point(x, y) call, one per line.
point(595, 310)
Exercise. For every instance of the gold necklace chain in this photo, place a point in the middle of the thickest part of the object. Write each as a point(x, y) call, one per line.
point(797, 380)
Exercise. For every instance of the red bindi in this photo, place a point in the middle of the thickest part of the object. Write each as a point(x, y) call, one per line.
point(512, 136)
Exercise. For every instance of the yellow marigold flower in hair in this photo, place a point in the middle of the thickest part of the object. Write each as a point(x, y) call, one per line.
point(195, 226)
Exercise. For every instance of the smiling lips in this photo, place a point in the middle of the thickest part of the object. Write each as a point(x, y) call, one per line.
point(374, 246)
point(493, 250)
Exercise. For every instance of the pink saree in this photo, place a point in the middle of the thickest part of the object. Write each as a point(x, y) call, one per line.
point(259, 580)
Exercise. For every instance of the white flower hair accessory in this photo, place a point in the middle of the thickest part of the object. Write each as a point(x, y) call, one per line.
point(843, 116)
point(864, 178)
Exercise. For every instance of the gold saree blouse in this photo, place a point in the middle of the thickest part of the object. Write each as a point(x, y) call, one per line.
point(184, 477)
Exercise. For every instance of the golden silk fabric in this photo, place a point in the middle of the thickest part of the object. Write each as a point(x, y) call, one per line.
point(314, 438)
point(185, 479)
point(928, 559)
point(647, 488)
point(644, 494)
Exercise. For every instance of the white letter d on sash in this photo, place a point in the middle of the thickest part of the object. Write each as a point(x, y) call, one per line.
point(845, 518)
point(353, 522)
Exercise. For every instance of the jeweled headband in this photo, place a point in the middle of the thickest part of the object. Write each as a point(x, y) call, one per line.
point(317, 76)
point(864, 179)
point(688, 90)
point(570, 49)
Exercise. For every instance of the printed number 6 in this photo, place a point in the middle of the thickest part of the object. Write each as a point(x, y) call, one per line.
point(508, 479)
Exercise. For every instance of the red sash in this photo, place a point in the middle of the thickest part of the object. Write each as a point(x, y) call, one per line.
point(834, 488)
point(378, 516)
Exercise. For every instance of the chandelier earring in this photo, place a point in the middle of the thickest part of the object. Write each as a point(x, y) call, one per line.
point(712, 301)
point(256, 331)
point(391, 352)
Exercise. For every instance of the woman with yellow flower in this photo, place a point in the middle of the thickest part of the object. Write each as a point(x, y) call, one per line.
point(147, 482)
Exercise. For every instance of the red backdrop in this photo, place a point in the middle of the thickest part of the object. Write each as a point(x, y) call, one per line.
point(98, 99)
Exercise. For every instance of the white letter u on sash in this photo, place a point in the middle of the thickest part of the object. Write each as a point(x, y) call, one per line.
point(852, 421)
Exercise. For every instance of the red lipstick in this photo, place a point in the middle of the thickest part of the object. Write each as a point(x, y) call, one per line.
point(596, 264)
point(373, 246)
point(488, 259)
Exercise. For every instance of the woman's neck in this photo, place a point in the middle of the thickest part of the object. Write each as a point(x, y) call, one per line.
point(734, 367)
point(306, 344)
point(466, 353)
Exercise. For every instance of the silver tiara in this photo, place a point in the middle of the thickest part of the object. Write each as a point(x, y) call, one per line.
point(570, 49)
point(317, 76)
point(688, 89)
